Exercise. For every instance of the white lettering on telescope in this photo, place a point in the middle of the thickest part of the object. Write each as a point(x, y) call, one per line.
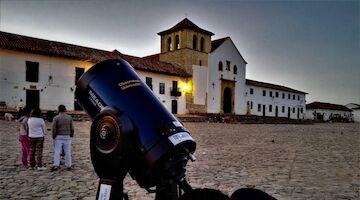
point(95, 100)
point(130, 83)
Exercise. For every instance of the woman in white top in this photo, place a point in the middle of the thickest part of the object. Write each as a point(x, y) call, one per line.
point(37, 131)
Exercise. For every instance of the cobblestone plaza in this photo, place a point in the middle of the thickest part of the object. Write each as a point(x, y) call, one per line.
point(319, 161)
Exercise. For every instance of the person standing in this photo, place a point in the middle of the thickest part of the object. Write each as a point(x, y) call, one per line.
point(37, 132)
point(19, 108)
point(62, 132)
point(24, 136)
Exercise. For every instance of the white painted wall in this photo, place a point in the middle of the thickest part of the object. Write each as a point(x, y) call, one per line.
point(52, 92)
point(166, 98)
point(226, 52)
point(257, 98)
point(57, 91)
point(356, 112)
point(327, 113)
point(200, 84)
point(356, 115)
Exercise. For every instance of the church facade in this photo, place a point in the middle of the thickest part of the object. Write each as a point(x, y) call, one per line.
point(191, 74)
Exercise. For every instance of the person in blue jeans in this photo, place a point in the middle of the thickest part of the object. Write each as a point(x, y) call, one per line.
point(62, 132)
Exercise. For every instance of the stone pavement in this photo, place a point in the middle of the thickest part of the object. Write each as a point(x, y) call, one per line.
point(319, 161)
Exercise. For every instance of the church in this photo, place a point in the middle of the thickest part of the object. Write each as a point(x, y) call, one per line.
point(191, 74)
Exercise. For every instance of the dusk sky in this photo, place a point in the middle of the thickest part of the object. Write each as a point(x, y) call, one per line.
point(312, 46)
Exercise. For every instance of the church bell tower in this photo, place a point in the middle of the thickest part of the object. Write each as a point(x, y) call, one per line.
point(185, 44)
point(188, 46)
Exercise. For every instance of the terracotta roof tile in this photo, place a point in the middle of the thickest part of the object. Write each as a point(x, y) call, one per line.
point(272, 86)
point(326, 106)
point(185, 23)
point(52, 48)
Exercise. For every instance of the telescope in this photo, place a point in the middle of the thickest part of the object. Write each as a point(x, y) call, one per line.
point(132, 132)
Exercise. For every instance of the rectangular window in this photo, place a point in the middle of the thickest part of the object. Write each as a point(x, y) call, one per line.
point(228, 65)
point(251, 105)
point(251, 90)
point(283, 109)
point(259, 107)
point(270, 93)
point(302, 110)
point(276, 94)
point(32, 71)
point(298, 97)
point(293, 109)
point(264, 93)
point(161, 88)
point(270, 108)
point(175, 85)
point(283, 95)
point(293, 96)
point(148, 81)
point(289, 96)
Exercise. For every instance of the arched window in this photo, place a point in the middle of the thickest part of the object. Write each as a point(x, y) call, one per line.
point(177, 42)
point(202, 44)
point(220, 66)
point(194, 42)
point(235, 69)
point(169, 44)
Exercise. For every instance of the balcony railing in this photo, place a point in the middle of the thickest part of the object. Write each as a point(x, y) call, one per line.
point(175, 92)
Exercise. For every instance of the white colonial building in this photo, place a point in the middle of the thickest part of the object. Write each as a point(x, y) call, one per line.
point(355, 111)
point(230, 92)
point(191, 74)
point(44, 73)
point(356, 114)
point(265, 99)
point(327, 111)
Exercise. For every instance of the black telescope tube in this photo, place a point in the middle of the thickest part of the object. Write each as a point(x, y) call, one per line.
point(159, 135)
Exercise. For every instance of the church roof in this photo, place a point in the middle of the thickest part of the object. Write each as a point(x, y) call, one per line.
point(272, 86)
point(216, 43)
point(326, 106)
point(52, 48)
point(185, 24)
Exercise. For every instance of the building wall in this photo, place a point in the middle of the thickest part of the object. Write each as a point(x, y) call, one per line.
point(56, 79)
point(166, 98)
point(185, 58)
point(61, 87)
point(199, 85)
point(257, 99)
point(327, 113)
point(226, 52)
point(356, 115)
